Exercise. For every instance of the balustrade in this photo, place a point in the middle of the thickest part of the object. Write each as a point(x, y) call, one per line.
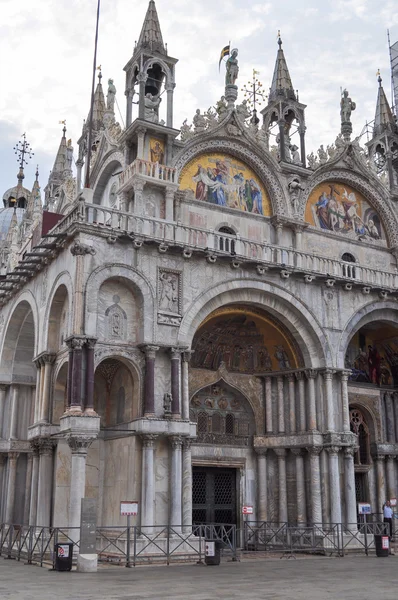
point(147, 170)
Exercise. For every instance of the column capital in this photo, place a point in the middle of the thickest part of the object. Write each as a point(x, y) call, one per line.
point(311, 373)
point(344, 374)
point(187, 355)
point(379, 457)
point(13, 456)
point(46, 446)
point(299, 375)
point(176, 441)
point(175, 353)
point(314, 450)
point(261, 451)
point(297, 451)
point(187, 443)
point(328, 373)
point(150, 351)
point(391, 457)
point(90, 342)
point(280, 452)
point(170, 193)
point(2, 458)
point(79, 444)
point(3, 387)
point(290, 377)
point(333, 450)
point(35, 446)
point(349, 452)
point(75, 342)
point(148, 440)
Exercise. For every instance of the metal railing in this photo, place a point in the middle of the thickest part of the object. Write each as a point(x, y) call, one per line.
point(332, 538)
point(128, 546)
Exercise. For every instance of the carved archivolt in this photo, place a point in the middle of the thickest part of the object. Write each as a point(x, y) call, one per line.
point(113, 157)
point(280, 204)
point(357, 181)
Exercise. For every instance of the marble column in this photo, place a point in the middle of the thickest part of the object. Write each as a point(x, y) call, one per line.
point(268, 405)
point(34, 488)
point(3, 389)
point(141, 80)
point(2, 485)
point(89, 404)
point(175, 483)
point(149, 400)
point(330, 416)
point(300, 487)
point(391, 477)
point(69, 375)
point(45, 484)
point(334, 478)
point(79, 447)
point(395, 403)
point(281, 405)
point(301, 393)
point(281, 454)
point(186, 356)
point(349, 484)
point(76, 395)
point(292, 403)
point(28, 488)
point(316, 498)
point(12, 476)
point(170, 91)
point(48, 360)
point(262, 483)
point(187, 486)
point(389, 417)
point(148, 484)
point(175, 382)
point(129, 106)
point(344, 400)
point(312, 424)
point(380, 482)
point(37, 391)
point(13, 412)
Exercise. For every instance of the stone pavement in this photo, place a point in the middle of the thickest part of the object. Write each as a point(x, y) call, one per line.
point(315, 578)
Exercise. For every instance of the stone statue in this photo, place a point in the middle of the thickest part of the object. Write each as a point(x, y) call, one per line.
point(242, 110)
point(263, 137)
point(69, 154)
point(110, 97)
point(232, 68)
point(199, 122)
point(346, 106)
point(211, 117)
point(295, 154)
point(151, 108)
point(221, 108)
point(287, 144)
point(323, 157)
point(186, 131)
point(294, 190)
point(313, 162)
point(167, 400)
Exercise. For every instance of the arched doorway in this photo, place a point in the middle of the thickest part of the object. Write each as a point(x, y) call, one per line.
point(362, 458)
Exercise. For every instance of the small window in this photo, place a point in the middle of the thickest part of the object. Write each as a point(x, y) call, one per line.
point(202, 422)
point(216, 423)
point(348, 269)
point(230, 424)
point(225, 244)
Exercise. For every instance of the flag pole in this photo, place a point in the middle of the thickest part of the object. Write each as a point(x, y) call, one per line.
point(90, 125)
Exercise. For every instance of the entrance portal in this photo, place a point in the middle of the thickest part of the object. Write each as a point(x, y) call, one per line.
point(213, 495)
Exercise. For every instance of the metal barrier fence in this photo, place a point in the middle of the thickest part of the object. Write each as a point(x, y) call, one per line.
point(129, 546)
point(332, 538)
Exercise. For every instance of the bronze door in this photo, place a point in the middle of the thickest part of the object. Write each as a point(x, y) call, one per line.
point(213, 495)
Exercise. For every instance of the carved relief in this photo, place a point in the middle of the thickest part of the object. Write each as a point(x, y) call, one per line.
point(169, 296)
point(116, 320)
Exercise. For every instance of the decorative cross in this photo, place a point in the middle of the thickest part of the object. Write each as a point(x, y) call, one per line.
point(22, 150)
point(254, 94)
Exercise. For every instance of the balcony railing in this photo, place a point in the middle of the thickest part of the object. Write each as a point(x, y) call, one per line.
point(148, 170)
point(192, 239)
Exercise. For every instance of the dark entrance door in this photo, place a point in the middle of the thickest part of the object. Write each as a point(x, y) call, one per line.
point(213, 495)
point(361, 487)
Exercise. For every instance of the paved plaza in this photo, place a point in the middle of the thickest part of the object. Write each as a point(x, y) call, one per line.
point(352, 578)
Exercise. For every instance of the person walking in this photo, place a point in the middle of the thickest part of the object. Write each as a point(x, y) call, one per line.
point(388, 516)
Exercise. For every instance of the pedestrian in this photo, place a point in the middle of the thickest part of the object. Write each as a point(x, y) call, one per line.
point(388, 516)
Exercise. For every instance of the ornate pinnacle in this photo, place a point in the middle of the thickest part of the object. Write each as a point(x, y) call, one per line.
point(24, 152)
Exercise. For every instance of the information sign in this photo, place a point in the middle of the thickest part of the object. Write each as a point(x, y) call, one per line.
point(247, 510)
point(364, 508)
point(128, 508)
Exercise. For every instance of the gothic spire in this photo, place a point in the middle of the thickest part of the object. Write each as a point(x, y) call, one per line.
point(151, 34)
point(281, 81)
point(60, 159)
point(99, 106)
point(384, 119)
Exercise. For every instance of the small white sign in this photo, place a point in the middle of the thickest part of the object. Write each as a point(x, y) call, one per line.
point(364, 508)
point(247, 510)
point(128, 509)
point(63, 551)
point(210, 549)
point(393, 501)
point(385, 542)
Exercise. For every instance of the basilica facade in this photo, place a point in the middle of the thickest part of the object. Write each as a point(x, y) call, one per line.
point(211, 322)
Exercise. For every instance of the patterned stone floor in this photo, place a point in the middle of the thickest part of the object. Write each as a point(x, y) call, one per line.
point(315, 578)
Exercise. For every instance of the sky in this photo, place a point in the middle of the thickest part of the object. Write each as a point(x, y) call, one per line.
point(46, 56)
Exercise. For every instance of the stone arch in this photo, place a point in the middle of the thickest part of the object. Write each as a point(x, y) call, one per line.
point(63, 281)
point(373, 311)
point(166, 69)
point(370, 417)
point(359, 182)
point(116, 390)
point(58, 320)
point(288, 309)
point(262, 164)
point(136, 282)
point(59, 395)
point(19, 343)
point(112, 162)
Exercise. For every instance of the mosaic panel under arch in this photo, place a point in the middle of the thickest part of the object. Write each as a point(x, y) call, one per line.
point(246, 341)
point(339, 208)
point(224, 180)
